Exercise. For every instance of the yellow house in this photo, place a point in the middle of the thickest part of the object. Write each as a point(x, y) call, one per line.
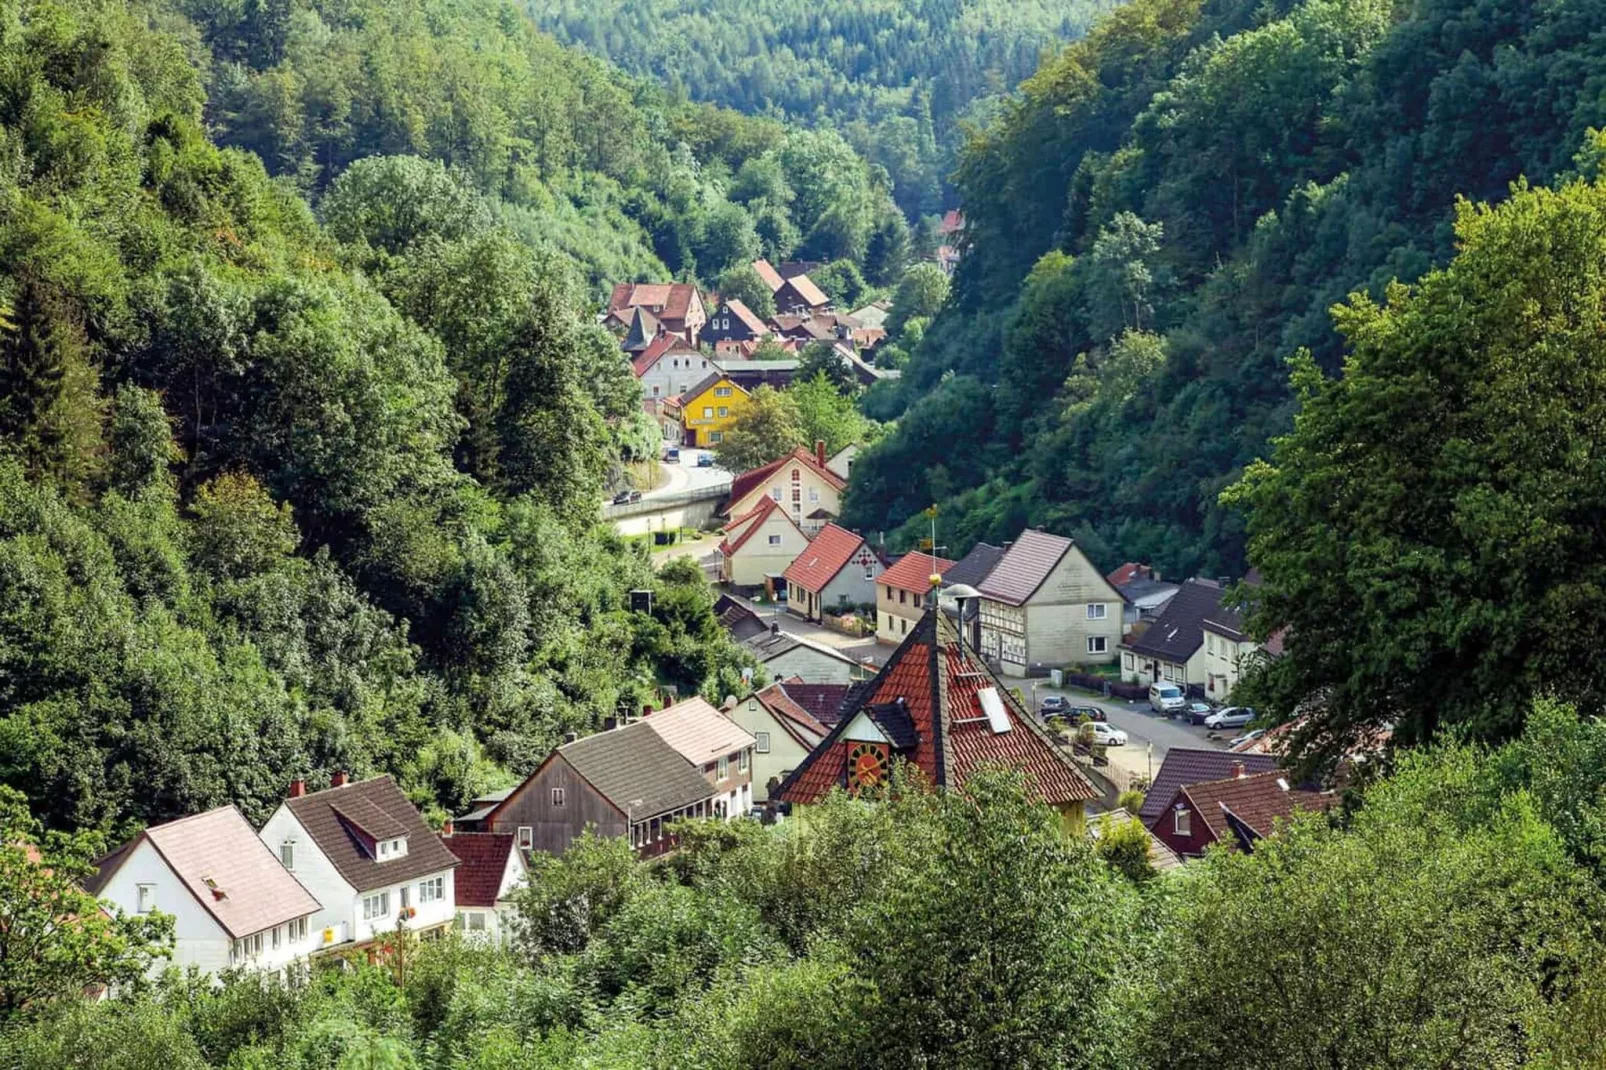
point(708, 410)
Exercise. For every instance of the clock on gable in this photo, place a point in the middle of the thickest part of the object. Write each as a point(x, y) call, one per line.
point(867, 766)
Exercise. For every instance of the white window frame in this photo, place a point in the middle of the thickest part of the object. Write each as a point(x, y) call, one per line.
point(432, 890)
point(1096, 610)
point(526, 838)
point(1182, 822)
point(287, 854)
point(376, 906)
point(762, 745)
point(744, 761)
point(558, 796)
point(1098, 644)
point(145, 898)
point(724, 769)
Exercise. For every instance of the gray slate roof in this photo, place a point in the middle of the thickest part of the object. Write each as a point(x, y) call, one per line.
point(378, 803)
point(1179, 629)
point(975, 566)
point(1195, 765)
point(1024, 567)
point(637, 771)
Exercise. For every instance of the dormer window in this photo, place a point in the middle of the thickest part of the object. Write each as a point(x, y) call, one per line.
point(392, 848)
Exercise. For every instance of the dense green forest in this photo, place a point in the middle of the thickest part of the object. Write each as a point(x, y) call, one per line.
point(290, 486)
point(573, 156)
point(1449, 919)
point(898, 78)
point(1164, 215)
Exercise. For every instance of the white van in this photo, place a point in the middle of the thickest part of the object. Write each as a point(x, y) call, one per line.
point(1166, 698)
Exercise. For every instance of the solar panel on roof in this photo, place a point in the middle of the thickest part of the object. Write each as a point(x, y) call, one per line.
point(993, 706)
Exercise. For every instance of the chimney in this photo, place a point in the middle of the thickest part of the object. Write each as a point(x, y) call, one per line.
point(446, 829)
point(298, 788)
point(339, 779)
point(1237, 770)
point(819, 451)
point(610, 723)
point(646, 711)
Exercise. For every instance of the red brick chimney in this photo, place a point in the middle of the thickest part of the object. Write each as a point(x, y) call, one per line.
point(339, 779)
point(819, 451)
point(298, 788)
point(1237, 770)
point(646, 711)
point(446, 829)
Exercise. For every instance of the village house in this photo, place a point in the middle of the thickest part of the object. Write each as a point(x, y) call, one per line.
point(1229, 651)
point(492, 870)
point(1172, 647)
point(1194, 765)
point(902, 593)
point(795, 295)
point(937, 706)
point(676, 305)
point(1045, 604)
point(784, 656)
point(709, 408)
point(1236, 811)
point(714, 744)
point(841, 462)
point(758, 546)
point(365, 852)
point(1146, 595)
point(801, 482)
point(783, 732)
point(233, 905)
point(624, 781)
point(671, 369)
point(733, 321)
point(836, 570)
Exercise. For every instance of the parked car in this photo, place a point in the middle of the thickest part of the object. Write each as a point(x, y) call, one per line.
point(1230, 717)
point(671, 456)
point(1052, 706)
point(705, 460)
point(1098, 732)
point(1247, 737)
point(622, 497)
point(635, 495)
point(1080, 714)
point(1196, 712)
point(1166, 698)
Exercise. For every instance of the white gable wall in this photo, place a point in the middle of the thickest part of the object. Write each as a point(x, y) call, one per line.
point(675, 373)
point(812, 666)
point(198, 939)
point(783, 753)
point(1064, 614)
point(317, 874)
point(757, 557)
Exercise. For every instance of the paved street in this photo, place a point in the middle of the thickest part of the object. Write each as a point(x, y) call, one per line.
point(685, 475)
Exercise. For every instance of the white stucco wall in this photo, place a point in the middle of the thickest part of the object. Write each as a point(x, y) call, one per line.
point(813, 666)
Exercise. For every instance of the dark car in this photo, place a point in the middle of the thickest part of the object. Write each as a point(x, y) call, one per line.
point(1195, 712)
point(624, 496)
point(635, 495)
point(705, 460)
point(1052, 706)
point(1083, 714)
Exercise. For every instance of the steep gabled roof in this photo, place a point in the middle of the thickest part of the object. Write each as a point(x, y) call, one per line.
point(484, 856)
point(224, 864)
point(767, 272)
point(793, 718)
point(708, 383)
point(672, 299)
point(743, 528)
point(744, 484)
point(934, 682)
point(747, 316)
point(643, 329)
point(739, 621)
point(635, 770)
point(1024, 567)
point(1177, 632)
point(335, 819)
point(697, 731)
point(659, 347)
point(823, 558)
point(1194, 765)
point(1254, 802)
point(913, 572)
point(822, 701)
point(808, 291)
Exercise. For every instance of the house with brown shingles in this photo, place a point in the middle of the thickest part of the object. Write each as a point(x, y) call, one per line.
point(1237, 811)
point(795, 295)
point(677, 306)
point(365, 852)
point(1044, 604)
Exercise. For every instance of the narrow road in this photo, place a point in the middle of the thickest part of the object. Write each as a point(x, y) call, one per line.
point(858, 649)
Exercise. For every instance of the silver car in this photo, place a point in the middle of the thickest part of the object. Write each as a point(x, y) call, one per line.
point(1230, 717)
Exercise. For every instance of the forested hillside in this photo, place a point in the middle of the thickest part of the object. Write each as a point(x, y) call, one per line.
point(298, 473)
point(896, 76)
point(574, 156)
point(1164, 215)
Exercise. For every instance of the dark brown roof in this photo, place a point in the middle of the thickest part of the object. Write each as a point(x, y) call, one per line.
point(1255, 802)
point(1177, 632)
point(381, 802)
point(633, 768)
point(1195, 765)
point(1024, 567)
point(822, 701)
point(737, 619)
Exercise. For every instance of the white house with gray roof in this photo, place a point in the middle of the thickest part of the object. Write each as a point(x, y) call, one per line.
point(1044, 604)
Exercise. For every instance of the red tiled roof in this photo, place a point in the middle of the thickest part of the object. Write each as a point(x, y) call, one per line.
point(767, 272)
point(913, 572)
point(938, 680)
point(1257, 801)
point(672, 300)
point(797, 721)
point(1024, 567)
point(952, 220)
point(1126, 574)
point(744, 484)
point(753, 521)
point(827, 555)
point(484, 857)
point(1194, 765)
point(642, 362)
